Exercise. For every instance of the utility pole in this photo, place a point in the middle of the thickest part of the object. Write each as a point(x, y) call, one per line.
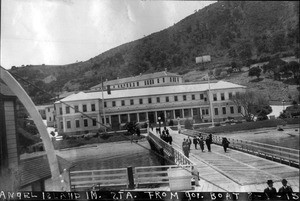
point(103, 109)
point(210, 103)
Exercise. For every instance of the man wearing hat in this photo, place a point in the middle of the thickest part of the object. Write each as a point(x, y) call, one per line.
point(285, 188)
point(270, 191)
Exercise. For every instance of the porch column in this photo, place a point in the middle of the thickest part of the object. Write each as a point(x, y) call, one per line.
point(138, 117)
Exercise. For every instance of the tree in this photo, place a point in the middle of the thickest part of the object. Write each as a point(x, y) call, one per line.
point(274, 66)
point(255, 71)
point(294, 68)
point(254, 105)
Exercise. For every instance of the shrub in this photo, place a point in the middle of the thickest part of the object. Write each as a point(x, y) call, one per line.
point(188, 124)
point(105, 136)
point(244, 126)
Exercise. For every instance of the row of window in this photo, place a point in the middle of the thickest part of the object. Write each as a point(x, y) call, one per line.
point(224, 111)
point(77, 123)
point(230, 94)
point(76, 109)
point(158, 100)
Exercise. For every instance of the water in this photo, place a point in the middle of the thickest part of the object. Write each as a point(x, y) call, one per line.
point(127, 157)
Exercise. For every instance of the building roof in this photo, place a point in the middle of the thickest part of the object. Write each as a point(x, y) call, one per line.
point(42, 107)
point(137, 78)
point(37, 168)
point(139, 92)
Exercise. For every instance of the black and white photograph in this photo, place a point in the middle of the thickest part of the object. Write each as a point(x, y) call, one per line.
point(149, 100)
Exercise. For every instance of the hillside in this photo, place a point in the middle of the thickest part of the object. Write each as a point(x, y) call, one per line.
point(228, 31)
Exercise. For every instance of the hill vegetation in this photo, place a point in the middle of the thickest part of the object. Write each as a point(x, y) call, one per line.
point(244, 32)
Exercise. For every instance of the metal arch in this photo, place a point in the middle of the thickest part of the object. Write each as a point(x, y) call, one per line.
point(17, 89)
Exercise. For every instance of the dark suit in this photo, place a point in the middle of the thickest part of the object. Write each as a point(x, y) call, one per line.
point(285, 192)
point(270, 193)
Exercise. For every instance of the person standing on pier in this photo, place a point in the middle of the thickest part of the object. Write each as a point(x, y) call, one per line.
point(189, 142)
point(201, 143)
point(270, 191)
point(225, 143)
point(208, 142)
point(195, 142)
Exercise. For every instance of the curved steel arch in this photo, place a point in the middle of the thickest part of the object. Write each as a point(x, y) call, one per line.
point(17, 89)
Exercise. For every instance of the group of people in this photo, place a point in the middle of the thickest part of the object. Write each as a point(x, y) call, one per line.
point(165, 136)
point(200, 140)
point(284, 191)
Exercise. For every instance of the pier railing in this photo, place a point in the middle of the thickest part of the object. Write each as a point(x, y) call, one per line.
point(171, 151)
point(276, 153)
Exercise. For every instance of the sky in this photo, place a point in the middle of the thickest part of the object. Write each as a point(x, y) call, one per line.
point(58, 32)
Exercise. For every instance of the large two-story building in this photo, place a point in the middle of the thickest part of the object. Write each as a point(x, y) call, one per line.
point(82, 111)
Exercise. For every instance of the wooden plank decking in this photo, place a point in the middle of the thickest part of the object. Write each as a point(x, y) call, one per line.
point(237, 171)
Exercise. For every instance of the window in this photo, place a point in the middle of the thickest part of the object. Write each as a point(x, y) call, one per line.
point(93, 107)
point(61, 125)
point(239, 109)
point(167, 99)
point(68, 110)
point(60, 111)
point(231, 109)
point(48, 109)
point(203, 112)
point(85, 123)
point(133, 84)
point(145, 82)
point(149, 100)
point(122, 102)
point(131, 102)
point(130, 84)
point(76, 109)
point(49, 118)
point(157, 99)
point(68, 124)
point(201, 96)
point(215, 97)
point(114, 103)
point(84, 108)
point(174, 79)
point(193, 96)
point(105, 104)
point(157, 80)
point(77, 123)
point(137, 84)
point(222, 96)
point(207, 111)
point(163, 79)
point(141, 101)
point(224, 110)
point(184, 97)
point(216, 111)
point(94, 122)
point(170, 79)
point(230, 95)
point(175, 98)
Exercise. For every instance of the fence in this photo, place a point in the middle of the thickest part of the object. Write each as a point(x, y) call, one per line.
point(123, 177)
point(87, 179)
point(276, 153)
